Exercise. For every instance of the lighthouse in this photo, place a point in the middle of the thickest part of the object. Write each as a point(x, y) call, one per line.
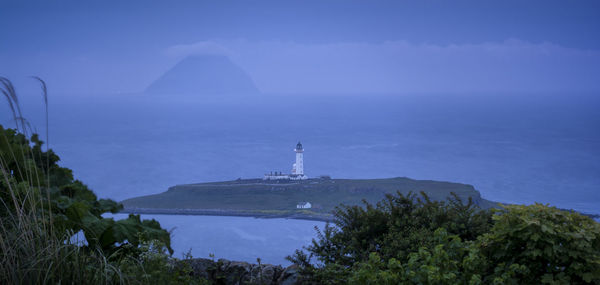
point(298, 168)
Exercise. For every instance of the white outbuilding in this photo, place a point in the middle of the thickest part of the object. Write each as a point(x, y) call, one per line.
point(304, 205)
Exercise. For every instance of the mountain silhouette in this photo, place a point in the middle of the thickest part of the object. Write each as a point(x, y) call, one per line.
point(204, 75)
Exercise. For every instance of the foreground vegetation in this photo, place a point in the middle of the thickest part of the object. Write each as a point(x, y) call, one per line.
point(414, 240)
point(52, 230)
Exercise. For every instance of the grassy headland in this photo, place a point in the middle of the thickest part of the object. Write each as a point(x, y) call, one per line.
point(256, 197)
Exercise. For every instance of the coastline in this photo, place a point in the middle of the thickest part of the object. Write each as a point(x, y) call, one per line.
point(297, 215)
point(304, 215)
point(270, 200)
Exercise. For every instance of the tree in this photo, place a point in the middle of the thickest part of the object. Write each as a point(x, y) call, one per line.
point(70, 204)
point(539, 244)
point(405, 240)
point(394, 230)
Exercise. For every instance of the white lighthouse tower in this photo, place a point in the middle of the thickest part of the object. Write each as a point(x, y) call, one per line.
point(298, 168)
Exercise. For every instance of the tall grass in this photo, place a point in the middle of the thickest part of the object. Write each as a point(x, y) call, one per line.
point(36, 250)
point(31, 251)
point(32, 254)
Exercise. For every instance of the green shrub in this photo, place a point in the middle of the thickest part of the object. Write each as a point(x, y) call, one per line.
point(538, 244)
point(42, 207)
point(404, 240)
point(68, 203)
point(395, 227)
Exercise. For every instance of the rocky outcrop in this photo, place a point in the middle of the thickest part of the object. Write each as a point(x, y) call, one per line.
point(224, 271)
point(289, 276)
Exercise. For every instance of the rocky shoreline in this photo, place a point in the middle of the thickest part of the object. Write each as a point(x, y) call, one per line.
point(225, 271)
point(234, 213)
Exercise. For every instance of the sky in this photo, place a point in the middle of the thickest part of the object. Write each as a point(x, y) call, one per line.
point(312, 47)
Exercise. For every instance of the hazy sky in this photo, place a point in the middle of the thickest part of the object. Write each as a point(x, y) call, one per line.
point(83, 47)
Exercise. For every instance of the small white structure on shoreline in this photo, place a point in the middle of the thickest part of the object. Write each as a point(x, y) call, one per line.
point(297, 168)
point(304, 205)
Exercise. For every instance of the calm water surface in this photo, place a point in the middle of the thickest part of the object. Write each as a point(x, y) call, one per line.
point(236, 238)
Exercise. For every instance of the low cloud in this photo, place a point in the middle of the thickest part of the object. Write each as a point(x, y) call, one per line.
point(404, 67)
point(198, 48)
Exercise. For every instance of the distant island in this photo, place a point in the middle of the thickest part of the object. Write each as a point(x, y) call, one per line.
point(206, 76)
point(293, 195)
point(311, 199)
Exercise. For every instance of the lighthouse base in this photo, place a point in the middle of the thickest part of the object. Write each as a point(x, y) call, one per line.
point(279, 176)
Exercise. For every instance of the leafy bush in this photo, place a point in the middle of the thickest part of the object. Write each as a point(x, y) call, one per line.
point(41, 208)
point(438, 265)
point(405, 240)
point(539, 244)
point(395, 227)
point(71, 204)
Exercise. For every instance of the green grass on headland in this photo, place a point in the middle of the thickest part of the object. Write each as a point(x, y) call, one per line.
point(281, 197)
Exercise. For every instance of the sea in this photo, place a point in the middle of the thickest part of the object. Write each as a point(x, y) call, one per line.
point(515, 148)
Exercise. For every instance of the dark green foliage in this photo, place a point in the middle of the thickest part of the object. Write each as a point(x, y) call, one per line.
point(395, 227)
point(438, 265)
point(41, 208)
point(540, 244)
point(405, 240)
point(71, 205)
